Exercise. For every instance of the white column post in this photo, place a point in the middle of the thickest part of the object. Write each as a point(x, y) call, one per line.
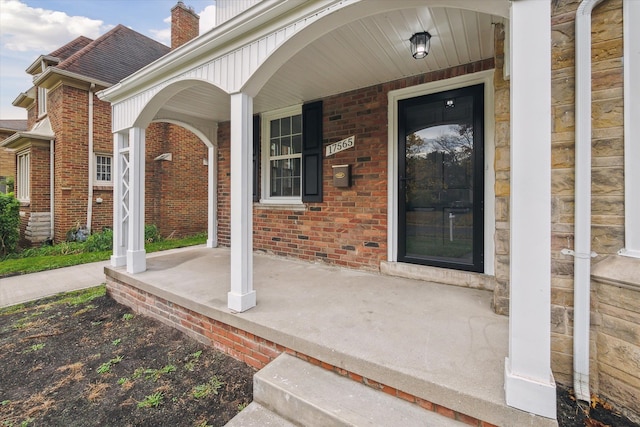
point(212, 210)
point(242, 296)
point(120, 192)
point(136, 255)
point(529, 382)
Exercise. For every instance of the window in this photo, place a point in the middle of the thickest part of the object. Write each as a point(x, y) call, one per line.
point(23, 181)
point(291, 154)
point(42, 101)
point(3, 184)
point(282, 145)
point(103, 169)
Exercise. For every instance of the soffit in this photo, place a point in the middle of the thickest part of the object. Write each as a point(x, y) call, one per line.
point(365, 52)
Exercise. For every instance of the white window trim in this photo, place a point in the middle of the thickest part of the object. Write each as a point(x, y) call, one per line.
point(631, 11)
point(23, 173)
point(264, 157)
point(42, 101)
point(96, 181)
point(485, 77)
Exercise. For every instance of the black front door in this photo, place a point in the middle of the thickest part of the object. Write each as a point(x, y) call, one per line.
point(441, 179)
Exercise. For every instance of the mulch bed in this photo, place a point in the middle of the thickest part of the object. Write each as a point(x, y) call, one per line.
point(95, 363)
point(84, 360)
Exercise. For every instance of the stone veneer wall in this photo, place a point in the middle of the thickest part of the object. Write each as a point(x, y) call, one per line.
point(615, 285)
point(502, 167)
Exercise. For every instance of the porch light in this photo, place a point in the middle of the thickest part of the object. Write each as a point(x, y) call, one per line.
point(420, 44)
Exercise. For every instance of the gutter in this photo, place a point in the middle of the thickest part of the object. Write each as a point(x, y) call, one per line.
point(91, 166)
point(51, 187)
point(582, 228)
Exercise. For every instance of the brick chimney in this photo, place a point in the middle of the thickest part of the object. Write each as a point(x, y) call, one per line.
point(185, 25)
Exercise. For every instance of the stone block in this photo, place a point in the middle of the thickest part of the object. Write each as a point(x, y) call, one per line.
point(622, 395)
point(562, 155)
point(502, 188)
point(624, 298)
point(559, 319)
point(619, 354)
point(606, 240)
point(608, 147)
point(622, 329)
point(502, 159)
point(562, 182)
point(563, 90)
point(609, 181)
point(608, 113)
point(563, 117)
point(502, 209)
point(502, 134)
point(502, 242)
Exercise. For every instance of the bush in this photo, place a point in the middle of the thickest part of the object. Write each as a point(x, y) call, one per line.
point(98, 242)
point(9, 223)
point(151, 234)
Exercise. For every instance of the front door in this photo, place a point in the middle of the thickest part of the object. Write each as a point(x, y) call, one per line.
point(441, 179)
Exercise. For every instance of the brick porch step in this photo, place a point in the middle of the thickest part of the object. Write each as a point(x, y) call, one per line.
point(291, 389)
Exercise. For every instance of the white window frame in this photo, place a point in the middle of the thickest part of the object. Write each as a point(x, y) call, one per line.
point(265, 168)
point(631, 16)
point(42, 101)
point(96, 164)
point(23, 175)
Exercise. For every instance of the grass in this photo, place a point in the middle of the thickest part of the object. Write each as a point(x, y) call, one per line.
point(35, 263)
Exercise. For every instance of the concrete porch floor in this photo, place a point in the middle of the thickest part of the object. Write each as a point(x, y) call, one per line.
point(437, 342)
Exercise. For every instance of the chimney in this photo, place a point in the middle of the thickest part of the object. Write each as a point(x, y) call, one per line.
point(185, 25)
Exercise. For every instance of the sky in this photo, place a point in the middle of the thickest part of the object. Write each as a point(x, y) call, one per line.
point(30, 28)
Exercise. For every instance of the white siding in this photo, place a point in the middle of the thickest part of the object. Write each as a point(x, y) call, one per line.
point(227, 9)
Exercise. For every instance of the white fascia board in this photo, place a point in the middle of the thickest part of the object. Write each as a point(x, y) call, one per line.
point(64, 73)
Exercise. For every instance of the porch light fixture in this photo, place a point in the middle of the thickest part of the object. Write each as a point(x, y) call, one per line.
point(420, 44)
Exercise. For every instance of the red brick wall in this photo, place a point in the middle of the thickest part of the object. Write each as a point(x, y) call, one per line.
point(176, 199)
point(349, 228)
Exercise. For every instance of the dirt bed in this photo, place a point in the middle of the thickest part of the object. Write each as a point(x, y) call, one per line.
point(88, 361)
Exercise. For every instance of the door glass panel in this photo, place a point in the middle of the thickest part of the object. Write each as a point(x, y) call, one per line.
point(437, 180)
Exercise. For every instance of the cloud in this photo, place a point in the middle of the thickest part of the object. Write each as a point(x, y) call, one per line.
point(24, 28)
point(207, 18)
point(163, 35)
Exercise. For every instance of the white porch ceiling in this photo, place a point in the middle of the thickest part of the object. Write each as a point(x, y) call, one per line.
point(366, 52)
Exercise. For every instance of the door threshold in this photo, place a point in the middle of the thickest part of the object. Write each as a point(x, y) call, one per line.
point(445, 276)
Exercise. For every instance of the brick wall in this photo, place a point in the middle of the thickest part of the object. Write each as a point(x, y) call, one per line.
point(177, 190)
point(349, 228)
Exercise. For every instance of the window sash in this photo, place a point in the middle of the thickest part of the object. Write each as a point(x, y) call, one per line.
point(282, 155)
point(103, 169)
point(23, 172)
point(42, 101)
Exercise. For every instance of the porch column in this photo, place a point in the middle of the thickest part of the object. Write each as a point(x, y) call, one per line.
point(212, 217)
point(120, 198)
point(136, 255)
point(529, 382)
point(242, 296)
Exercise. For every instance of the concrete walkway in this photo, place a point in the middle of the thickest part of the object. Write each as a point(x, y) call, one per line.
point(28, 287)
point(33, 286)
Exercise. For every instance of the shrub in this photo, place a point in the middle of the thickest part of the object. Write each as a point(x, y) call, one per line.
point(98, 242)
point(151, 234)
point(9, 223)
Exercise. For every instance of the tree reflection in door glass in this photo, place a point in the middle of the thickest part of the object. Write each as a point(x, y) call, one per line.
point(439, 192)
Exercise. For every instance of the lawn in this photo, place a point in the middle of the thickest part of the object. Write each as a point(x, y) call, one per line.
point(81, 359)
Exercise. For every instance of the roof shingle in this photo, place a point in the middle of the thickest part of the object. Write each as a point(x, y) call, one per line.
point(114, 55)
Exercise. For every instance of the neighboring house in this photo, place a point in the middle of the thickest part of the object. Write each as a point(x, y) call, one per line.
point(8, 157)
point(64, 158)
point(507, 160)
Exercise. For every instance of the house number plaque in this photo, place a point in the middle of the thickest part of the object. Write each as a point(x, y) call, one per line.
point(342, 145)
